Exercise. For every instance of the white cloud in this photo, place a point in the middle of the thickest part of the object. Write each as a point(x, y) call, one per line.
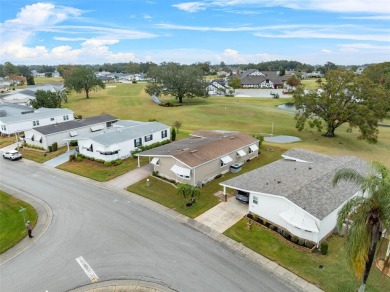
point(326, 51)
point(191, 6)
point(362, 46)
point(344, 6)
point(16, 34)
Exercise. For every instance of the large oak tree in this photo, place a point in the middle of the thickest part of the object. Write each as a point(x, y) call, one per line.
point(83, 79)
point(177, 80)
point(342, 98)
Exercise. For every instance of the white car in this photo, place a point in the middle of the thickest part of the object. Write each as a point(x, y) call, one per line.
point(12, 155)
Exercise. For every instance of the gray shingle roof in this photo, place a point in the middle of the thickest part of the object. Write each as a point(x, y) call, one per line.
point(75, 124)
point(207, 146)
point(116, 135)
point(308, 185)
point(37, 114)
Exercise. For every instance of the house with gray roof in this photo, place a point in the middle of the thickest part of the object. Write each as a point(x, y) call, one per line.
point(205, 155)
point(266, 79)
point(63, 133)
point(118, 141)
point(39, 117)
point(296, 193)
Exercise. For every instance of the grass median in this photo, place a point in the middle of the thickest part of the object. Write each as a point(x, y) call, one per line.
point(11, 220)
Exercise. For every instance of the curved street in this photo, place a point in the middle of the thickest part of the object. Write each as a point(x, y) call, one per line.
point(120, 239)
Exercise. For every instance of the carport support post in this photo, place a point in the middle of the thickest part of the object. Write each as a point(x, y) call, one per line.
point(224, 194)
point(138, 161)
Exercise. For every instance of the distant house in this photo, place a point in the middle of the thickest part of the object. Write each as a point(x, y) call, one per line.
point(63, 133)
point(296, 192)
point(219, 87)
point(253, 78)
point(199, 159)
point(40, 117)
point(120, 140)
point(20, 97)
point(10, 109)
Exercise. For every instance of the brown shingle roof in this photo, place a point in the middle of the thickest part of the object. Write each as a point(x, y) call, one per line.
point(196, 151)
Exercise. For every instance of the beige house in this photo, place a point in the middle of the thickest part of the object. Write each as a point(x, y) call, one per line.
point(205, 155)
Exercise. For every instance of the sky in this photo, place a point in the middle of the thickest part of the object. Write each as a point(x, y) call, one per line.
point(345, 32)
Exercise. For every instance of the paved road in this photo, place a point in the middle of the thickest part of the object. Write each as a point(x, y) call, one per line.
point(120, 239)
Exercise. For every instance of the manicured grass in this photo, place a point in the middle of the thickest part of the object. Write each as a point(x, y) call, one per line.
point(165, 193)
point(11, 220)
point(40, 156)
point(44, 80)
point(336, 274)
point(98, 171)
point(5, 141)
point(250, 115)
point(311, 84)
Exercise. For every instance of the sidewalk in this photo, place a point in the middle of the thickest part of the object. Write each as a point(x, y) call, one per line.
point(129, 178)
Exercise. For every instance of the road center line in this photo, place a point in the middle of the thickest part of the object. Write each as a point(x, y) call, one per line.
point(87, 269)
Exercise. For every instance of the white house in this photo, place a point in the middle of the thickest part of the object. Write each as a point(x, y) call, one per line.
point(63, 133)
point(199, 159)
point(120, 140)
point(296, 192)
point(40, 117)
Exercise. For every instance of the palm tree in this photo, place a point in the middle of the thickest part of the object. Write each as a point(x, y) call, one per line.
point(62, 95)
point(188, 192)
point(370, 214)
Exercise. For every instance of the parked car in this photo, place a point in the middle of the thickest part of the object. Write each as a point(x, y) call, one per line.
point(242, 196)
point(12, 155)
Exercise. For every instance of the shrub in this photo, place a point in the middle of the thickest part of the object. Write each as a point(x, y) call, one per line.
point(324, 248)
point(155, 173)
point(285, 233)
point(73, 143)
point(107, 163)
point(173, 134)
point(218, 176)
point(294, 239)
point(255, 217)
point(72, 157)
point(79, 158)
point(250, 216)
point(309, 244)
point(264, 222)
point(54, 146)
point(50, 148)
point(301, 241)
point(272, 227)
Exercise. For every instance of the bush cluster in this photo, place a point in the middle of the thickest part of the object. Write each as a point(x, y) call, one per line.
point(147, 147)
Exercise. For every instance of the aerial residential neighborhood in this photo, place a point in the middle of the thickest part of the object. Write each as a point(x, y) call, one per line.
point(194, 146)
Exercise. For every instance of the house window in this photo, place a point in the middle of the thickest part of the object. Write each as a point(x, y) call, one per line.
point(222, 163)
point(90, 148)
point(66, 118)
point(51, 119)
point(3, 128)
point(35, 123)
point(255, 200)
point(164, 134)
point(148, 138)
point(137, 142)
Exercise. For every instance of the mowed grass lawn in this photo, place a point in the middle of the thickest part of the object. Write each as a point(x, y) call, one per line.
point(98, 171)
point(250, 115)
point(165, 193)
point(11, 220)
point(40, 156)
point(336, 274)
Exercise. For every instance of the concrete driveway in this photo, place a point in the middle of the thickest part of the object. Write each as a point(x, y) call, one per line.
point(60, 159)
point(224, 215)
point(130, 177)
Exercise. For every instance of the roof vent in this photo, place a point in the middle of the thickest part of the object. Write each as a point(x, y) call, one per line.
point(279, 181)
point(193, 151)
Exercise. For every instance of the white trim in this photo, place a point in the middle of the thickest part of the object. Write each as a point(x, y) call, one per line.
point(73, 133)
point(253, 147)
point(226, 159)
point(241, 153)
point(181, 171)
point(155, 161)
